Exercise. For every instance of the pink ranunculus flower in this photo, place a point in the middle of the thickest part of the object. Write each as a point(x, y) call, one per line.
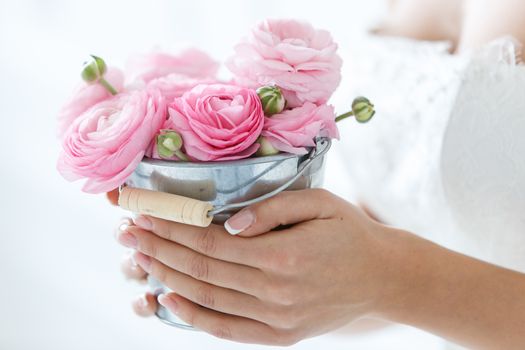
point(87, 95)
point(295, 129)
point(192, 63)
point(300, 59)
point(107, 141)
point(175, 85)
point(217, 122)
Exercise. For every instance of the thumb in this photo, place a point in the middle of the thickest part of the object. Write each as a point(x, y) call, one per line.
point(286, 208)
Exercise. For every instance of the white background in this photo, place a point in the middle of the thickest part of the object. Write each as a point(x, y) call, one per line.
point(61, 287)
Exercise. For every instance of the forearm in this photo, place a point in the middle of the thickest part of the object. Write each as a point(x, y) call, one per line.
point(459, 298)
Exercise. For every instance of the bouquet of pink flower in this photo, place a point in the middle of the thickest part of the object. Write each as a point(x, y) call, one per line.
point(173, 107)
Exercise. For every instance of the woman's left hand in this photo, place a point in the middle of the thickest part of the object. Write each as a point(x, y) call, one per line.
point(327, 266)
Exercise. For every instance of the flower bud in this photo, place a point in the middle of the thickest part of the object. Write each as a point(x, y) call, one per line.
point(266, 148)
point(272, 99)
point(169, 143)
point(362, 109)
point(93, 69)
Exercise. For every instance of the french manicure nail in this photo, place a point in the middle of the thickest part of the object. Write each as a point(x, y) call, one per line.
point(239, 222)
point(142, 301)
point(128, 240)
point(132, 260)
point(168, 303)
point(143, 222)
point(122, 226)
point(144, 261)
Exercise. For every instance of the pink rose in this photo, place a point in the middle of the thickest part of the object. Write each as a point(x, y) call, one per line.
point(294, 129)
point(291, 54)
point(107, 141)
point(191, 63)
point(217, 122)
point(85, 96)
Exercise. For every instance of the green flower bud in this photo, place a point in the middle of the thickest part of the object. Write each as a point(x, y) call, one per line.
point(169, 143)
point(266, 148)
point(362, 109)
point(272, 99)
point(93, 69)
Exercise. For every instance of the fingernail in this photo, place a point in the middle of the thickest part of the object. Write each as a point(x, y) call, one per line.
point(168, 303)
point(239, 222)
point(128, 240)
point(122, 226)
point(144, 261)
point(142, 301)
point(129, 258)
point(132, 260)
point(143, 222)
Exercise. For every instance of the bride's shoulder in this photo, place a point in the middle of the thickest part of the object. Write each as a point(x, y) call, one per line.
point(485, 20)
point(425, 20)
point(466, 24)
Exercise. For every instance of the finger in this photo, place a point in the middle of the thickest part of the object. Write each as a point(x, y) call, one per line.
point(243, 278)
point(112, 197)
point(122, 226)
point(224, 326)
point(205, 294)
point(212, 241)
point(131, 269)
point(145, 305)
point(288, 207)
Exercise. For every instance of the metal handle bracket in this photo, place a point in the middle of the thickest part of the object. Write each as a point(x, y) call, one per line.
point(322, 146)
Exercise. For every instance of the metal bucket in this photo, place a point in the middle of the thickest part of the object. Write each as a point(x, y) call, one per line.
point(228, 186)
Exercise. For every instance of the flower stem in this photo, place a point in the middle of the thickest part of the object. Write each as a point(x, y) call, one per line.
point(108, 86)
point(344, 116)
point(181, 156)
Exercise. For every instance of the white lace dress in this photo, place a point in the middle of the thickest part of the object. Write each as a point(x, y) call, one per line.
point(444, 157)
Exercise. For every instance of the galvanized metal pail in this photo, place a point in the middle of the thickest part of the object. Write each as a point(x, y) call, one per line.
point(229, 186)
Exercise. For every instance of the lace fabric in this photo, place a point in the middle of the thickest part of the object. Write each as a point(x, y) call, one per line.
point(483, 156)
point(444, 157)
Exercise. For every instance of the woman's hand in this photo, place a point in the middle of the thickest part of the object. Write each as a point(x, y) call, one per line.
point(146, 304)
point(326, 269)
point(331, 264)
